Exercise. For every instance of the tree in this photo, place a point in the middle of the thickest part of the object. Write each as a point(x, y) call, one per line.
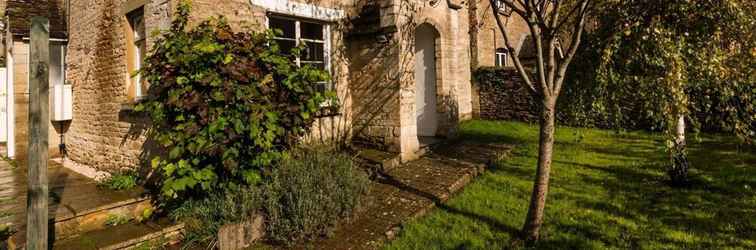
point(684, 62)
point(552, 24)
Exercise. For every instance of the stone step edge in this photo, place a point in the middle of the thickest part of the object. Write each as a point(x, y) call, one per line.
point(172, 235)
point(91, 219)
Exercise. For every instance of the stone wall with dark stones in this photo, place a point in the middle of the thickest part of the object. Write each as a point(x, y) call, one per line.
point(504, 99)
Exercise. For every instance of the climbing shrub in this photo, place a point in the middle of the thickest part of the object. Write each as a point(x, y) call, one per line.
point(310, 191)
point(492, 76)
point(224, 105)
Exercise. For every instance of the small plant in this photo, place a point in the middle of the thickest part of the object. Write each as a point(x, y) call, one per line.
point(309, 192)
point(13, 163)
point(146, 215)
point(116, 219)
point(159, 243)
point(5, 232)
point(120, 181)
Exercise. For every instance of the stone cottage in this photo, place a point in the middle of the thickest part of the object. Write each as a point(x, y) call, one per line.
point(401, 68)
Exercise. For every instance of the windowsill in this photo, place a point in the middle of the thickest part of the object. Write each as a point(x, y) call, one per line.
point(329, 111)
point(130, 106)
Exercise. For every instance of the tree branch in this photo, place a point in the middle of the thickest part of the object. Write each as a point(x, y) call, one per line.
point(577, 33)
point(538, 43)
point(514, 54)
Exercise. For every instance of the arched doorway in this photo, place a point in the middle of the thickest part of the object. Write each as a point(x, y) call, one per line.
point(426, 109)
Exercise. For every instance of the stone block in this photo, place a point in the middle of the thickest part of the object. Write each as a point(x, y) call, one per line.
point(241, 235)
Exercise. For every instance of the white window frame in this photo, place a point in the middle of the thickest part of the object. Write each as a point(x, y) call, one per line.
point(500, 59)
point(137, 79)
point(501, 6)
point(298, 40)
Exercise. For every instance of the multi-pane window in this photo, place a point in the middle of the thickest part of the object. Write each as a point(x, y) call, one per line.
point(312, 34)
point(138, 47)
point(501, 57)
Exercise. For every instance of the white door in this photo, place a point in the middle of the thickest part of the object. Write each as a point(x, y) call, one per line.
point(425, 81)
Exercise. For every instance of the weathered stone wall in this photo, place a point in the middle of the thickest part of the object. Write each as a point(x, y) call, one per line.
point(507, 100)
point(486, 36)
point(104, 133)
point(20, 13)
point(373, 81)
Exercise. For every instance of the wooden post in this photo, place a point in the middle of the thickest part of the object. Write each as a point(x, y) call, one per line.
point(36, 206)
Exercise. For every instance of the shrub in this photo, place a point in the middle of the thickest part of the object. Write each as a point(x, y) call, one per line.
point(309, 192)
point(489, 75)
point(203, 217)
point(224, 105)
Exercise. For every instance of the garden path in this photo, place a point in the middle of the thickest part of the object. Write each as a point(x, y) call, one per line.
point(409, 191)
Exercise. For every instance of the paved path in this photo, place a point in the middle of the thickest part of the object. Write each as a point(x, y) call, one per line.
point(409, 191)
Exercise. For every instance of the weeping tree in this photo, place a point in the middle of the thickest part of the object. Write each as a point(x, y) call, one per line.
point(556, 27)
point(685, 63)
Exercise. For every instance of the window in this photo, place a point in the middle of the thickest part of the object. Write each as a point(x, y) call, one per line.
point(501, 6)
point(137, 46)
point(501, 57)
point(312, 34)
point(57, 63)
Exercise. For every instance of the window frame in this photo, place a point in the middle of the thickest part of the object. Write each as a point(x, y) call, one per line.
point(327, 42)
point(500, 57)
point(136, 44)
point(501, 6)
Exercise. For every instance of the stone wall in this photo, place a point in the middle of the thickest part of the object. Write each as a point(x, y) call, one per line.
point(507, 99)
point(20, 12)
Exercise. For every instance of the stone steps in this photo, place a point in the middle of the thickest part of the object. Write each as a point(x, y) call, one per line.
point(133, 235)
point(77, 205)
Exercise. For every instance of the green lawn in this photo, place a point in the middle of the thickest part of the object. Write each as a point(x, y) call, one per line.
point(607, 192)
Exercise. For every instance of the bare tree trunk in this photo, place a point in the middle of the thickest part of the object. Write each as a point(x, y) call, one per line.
point(534, 219)
point(678, 172)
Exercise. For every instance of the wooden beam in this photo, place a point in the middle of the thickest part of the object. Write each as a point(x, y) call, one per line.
point(36, 205)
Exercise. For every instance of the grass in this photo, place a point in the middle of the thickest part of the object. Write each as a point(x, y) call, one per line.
point(607, 191)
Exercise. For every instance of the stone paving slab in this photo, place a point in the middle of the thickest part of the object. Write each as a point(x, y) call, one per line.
point(410, 191)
